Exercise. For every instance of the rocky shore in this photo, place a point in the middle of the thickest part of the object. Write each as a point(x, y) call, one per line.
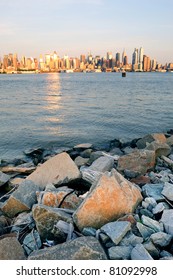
point(84, 203)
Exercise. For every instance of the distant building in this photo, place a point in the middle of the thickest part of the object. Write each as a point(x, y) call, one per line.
point(141, 57)
point(147, 63)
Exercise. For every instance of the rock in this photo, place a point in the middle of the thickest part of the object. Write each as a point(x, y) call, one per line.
point(18, 169)
point(32, 242)
point(169, 140)
point(11, 249)
point(161, 149)
point(153, 224)
point(161, 238)
point(151, 248)
point(130, 239)
point(62, 198)
point(168, 161)
point(140, 253)
point(120, 252)
point(149, 203)
point(95, 155)
point(137, 161)
point(22, 221)
point(167, 220)
point(141, 180)
point(168, 191)
point(79, 161)
point(86, 153)
point(160, 137)
point(153, 190)
point(111, 198)
point(4, 223)
point(82, 248)
point(4, 178)
point(21, 199)
point(144, 230)
point(83, 146)
point(165, 253)
point(158, 208)
point(46, 218)
point(63, 231)
point(58, 170)
point(102, 164)
point(89, 231)
point(15, 182)
point(116, 230)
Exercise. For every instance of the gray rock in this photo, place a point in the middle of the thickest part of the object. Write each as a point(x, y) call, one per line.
point(140, 253)
point(158, 208)
point(83, 146)
point(153, 190)
point(46, 218)
point(95, 155)
point(149, 202)
point(161, 238)
point(21, 199)
point(81, 161)
point(116, 230)
point(153, 224)
point(4, 178)
point(167, 220)
point(144, 230)
point(120, 252)
point(89, 231)
point(23, 220)
point(82, 248)
point(165, 253)
point(86, 153)
point(161, 149)
point(32, 242)
point(102, 164)
point(130, 239)
point(11, 249)
point(151, 248)
point(168, 191)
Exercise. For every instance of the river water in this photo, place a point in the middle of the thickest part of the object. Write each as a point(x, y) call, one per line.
point(55, 110)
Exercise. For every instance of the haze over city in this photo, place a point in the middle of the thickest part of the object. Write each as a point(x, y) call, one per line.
point(73, 27)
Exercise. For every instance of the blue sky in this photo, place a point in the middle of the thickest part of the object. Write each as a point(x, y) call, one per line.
point(73, 27)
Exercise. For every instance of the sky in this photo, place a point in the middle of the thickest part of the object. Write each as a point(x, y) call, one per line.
point(74, 27)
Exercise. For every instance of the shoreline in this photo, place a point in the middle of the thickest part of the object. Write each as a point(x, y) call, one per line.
point(51, 193)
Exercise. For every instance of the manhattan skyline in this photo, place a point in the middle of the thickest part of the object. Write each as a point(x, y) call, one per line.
point(73, 27)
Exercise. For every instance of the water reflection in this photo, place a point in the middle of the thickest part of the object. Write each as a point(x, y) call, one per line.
point(53, 88)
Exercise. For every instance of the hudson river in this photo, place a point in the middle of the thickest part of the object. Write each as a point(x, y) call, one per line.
point(62, 110)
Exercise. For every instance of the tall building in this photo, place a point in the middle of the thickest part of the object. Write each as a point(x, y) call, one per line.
point(123, 57)
point(135, 60)
point(147, 63)
point(15, 61)
point(117, 59)
point(141, 57)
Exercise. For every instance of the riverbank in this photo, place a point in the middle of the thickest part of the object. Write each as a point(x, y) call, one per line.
point(88, 203)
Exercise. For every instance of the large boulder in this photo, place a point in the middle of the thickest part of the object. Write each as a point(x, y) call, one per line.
point(139, 161)
point(21, 199)
point(11, 249)
point(142, 143)
point(82, 248)
point(46, 218)
point(161, 149)
point(58, 170)
point(111, 198)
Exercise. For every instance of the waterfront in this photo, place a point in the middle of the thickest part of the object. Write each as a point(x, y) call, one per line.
point(66, 109)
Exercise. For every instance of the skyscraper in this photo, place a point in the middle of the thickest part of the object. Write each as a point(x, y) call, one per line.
point(141, 58)
point(135, 60)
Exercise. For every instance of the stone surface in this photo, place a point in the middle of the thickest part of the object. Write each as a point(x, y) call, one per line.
point(161, 149)
point(158, 208)
point(79, 161)
point(153, 224)
point(83, 146)
point(4, 178)
point(111, 198)
point(58, 170)
point(116, 230)
point(151, 248)
point(161, 238)
point(169, 140)
point(32, 242)
point(21, 199)
point(160, 137)
point(153, 190)
point(11, 249)
point(167, 220)
point(102, 164)
point(144, 230)
point(140, 253)
point(46, 218)
point(82, 248)
point(141, 180)
point(120, 252)
point(130, 239)
point(168, 191)
point(137, 161)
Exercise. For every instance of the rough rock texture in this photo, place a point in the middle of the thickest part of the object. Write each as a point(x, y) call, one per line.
point(4, 178)
point(111, 198)
point(140, 253)
point(11, 249)
point(161, 149)
point(82, 248)
point(167, 220)
point(21, 200)
point(46, 218)
point(58, 170)
point(168, 191)
point(137, 161)
point(160, 137)
point(120, 252)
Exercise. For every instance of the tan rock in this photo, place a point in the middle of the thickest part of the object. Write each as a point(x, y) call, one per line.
point(161, 149)
point(142, 143)
point(57, 170)
point(11, 249)
point(111, 198)
point(139, 161)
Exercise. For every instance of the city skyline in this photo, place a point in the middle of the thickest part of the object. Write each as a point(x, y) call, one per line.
point(73, 27)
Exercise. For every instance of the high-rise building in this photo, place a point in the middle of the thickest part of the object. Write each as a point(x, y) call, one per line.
point(135, 60)
point(141, 57)
point(146, 63)
point(15, 61)
point(117, 59)
point(123, 57)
